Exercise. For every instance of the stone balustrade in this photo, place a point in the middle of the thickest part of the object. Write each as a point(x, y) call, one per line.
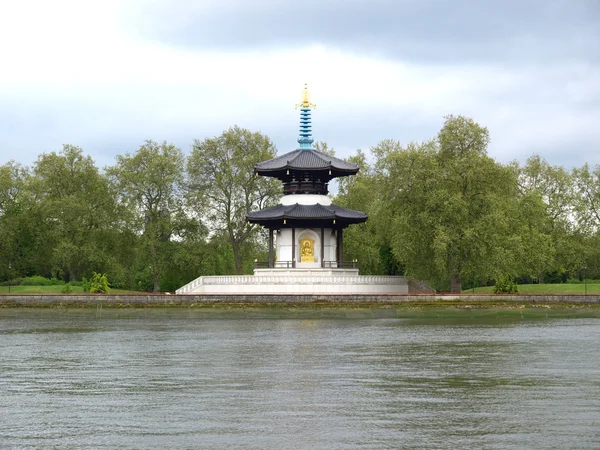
point(301, 283)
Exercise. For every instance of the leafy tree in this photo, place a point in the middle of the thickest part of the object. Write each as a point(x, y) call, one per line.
point(366, 242)
point(448, 221)
point(587, 204)
point(15, 229)
point(223, 187)
point(150, 184)
point(552, 183)
point(74, 212)
point(323, 147)
point(546, 194)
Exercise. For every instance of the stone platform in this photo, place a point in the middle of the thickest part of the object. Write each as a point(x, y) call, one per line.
point(304, 281)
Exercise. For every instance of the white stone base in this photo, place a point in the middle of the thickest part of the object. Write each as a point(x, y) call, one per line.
point(301, 281)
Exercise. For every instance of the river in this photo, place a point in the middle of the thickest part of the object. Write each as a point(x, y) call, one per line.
point(175, 378)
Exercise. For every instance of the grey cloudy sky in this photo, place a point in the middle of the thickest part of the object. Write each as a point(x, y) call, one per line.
point(108, 75)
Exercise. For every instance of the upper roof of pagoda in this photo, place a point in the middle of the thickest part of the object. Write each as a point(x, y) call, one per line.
point(305, 158)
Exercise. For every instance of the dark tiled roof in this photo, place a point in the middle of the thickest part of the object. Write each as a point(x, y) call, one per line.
point(308, 159)
point(303, 212)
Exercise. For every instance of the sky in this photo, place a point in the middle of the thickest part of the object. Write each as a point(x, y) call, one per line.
point(107, 75)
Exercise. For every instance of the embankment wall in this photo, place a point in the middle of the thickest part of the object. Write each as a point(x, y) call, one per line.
point(95, 300)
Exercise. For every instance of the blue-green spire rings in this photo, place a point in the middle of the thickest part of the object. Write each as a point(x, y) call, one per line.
point(305, 140)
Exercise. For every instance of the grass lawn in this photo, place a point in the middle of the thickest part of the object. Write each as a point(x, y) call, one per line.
point(562, 288)
point(54, 290)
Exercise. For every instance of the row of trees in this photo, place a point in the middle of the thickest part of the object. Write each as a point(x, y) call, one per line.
point(448, 213)
point(441, 211)
point(153, 221)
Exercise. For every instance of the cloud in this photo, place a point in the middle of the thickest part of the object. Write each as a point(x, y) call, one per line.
point(111, 75)
point(415, 30)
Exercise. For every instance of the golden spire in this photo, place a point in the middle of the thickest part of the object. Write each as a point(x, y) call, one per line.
point(306, 99)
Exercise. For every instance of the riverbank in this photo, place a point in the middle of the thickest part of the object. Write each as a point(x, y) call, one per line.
point(293, 301)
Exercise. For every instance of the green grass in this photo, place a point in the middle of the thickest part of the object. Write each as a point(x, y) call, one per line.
point(562, 288)
point(55, 290)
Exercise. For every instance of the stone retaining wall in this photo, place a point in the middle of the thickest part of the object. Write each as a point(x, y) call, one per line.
point(95, 300)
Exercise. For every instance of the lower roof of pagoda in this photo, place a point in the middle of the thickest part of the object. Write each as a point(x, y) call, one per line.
point(289, 215)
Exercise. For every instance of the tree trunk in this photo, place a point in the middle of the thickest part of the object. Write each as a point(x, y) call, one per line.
point(455, 284)
point(156, 282)
point(540, 277)
point(155, 274)
point(237, 258)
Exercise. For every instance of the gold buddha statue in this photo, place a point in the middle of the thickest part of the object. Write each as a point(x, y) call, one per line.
point(307, 250)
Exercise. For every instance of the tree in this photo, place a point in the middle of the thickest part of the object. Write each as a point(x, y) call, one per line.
point(15, 246)
point(73, 215)
point(546, 202)
point(587, 206)
point(223, 187)
point(587, 214)
point(366, 242)
point(448, 221)
point(150, 183)
point(323, 147)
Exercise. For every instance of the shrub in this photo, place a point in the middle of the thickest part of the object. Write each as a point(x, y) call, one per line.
point(505, 285)
point(36, 280)
point(99, 283)
point(85, 284)
point(66, 289)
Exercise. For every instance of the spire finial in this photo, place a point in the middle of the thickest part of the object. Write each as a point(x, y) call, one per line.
point(305, 103)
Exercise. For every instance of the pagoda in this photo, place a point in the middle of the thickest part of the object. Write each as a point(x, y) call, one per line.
point(306, 239)
point(308, 227)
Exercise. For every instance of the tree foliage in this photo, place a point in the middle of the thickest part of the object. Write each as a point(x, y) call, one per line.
point(448, 220)
point(223, 188)
point(442, 211)
point(71, 209)
point(150, 183)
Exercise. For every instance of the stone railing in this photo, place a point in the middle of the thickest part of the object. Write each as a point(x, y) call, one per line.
point(237, 280)
point(191, 286)
point(307, 279)
point(292, 264)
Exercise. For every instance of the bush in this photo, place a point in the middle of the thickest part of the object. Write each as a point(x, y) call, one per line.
point(36, 280)
point(505, 285)
point(66, 289)
point(574, 281)
point(99, 283)
point(85, 284)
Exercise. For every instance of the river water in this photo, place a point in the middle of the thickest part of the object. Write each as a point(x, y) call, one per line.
point(177, 379)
